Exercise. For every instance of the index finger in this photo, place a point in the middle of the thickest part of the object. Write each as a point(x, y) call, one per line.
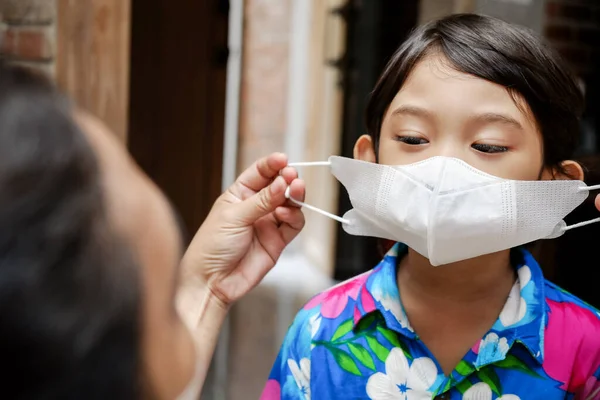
point(260, 174)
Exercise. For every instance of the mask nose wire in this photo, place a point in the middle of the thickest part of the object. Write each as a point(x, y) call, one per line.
point(308, 206)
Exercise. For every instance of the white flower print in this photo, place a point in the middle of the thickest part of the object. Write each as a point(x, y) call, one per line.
point(482, 391)
point(301, 374)
point(401, 382)
point(524, 275)
point(516, 307)
point(392, 305)
point(492, 348)
point(315, 324)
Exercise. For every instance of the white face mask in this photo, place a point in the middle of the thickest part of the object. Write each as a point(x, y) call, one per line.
point(447, 210)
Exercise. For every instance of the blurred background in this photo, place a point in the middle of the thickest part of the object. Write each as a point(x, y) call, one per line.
point(199, 89)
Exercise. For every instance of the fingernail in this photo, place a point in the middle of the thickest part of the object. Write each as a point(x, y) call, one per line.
point(278, 186)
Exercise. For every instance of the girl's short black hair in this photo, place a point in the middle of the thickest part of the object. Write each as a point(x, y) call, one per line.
point(505, 54)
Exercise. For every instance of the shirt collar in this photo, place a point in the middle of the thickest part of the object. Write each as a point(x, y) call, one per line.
point(522, 319)
point(380, 292)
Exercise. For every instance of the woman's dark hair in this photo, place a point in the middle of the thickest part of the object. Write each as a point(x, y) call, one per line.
point(498, 52)
point(69, 290)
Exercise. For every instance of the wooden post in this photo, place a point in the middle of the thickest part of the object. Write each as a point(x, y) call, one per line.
point(93, 41)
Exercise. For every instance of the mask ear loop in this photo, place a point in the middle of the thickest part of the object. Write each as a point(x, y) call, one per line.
point(584, 223)
point(308, 206)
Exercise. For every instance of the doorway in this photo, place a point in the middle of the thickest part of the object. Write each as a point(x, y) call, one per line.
point(177, 100)
point(375, 30)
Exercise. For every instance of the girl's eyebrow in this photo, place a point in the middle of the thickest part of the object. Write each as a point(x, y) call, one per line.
point(487, 118)
point(496, 118)
point(413, 110)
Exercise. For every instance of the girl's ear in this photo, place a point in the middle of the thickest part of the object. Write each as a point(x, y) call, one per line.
point(571, 170)
point(364, 150)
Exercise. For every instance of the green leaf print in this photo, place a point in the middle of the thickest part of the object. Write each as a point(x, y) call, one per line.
point(464, 368)
point(380, 350)
point(362, 355)
point(344, 360)
point(489, 376)
point(392, 337)
point(343, 329)
point(367, 321)
point(512, 362)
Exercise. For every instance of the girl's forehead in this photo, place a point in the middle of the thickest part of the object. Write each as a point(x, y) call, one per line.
point(436, 86)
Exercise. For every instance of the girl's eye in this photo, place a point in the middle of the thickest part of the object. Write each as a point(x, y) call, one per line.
point(411, 140)
point(489, 148)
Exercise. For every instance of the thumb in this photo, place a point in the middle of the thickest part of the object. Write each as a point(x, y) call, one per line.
point(263, 202)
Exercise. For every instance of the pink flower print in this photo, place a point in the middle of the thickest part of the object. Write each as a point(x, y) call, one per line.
point(368, 302)
point(357, 314)
point(333, 301)
point(475, 348)
point(590, 391)
point(571, 344)
point(272, 391)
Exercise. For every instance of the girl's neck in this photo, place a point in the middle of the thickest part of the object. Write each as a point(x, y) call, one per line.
point(484, 278)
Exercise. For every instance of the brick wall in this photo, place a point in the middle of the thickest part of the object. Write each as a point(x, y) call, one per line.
point(573, 28)
point(28, 32)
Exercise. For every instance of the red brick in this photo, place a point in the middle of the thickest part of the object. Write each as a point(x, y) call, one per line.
point(32, 44)
point(559, 32)
point(9, 43)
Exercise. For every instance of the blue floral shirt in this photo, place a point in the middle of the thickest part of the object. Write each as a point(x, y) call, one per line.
point(354, 341)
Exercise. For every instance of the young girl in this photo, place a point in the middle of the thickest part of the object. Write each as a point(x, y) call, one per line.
point(478, 115)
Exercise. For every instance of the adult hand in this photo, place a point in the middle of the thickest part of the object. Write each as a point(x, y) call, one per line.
point(246, 231)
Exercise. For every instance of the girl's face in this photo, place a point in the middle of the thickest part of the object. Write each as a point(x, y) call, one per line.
point(442, 112)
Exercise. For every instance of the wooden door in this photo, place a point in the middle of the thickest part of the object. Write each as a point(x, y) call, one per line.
point(178, 71)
